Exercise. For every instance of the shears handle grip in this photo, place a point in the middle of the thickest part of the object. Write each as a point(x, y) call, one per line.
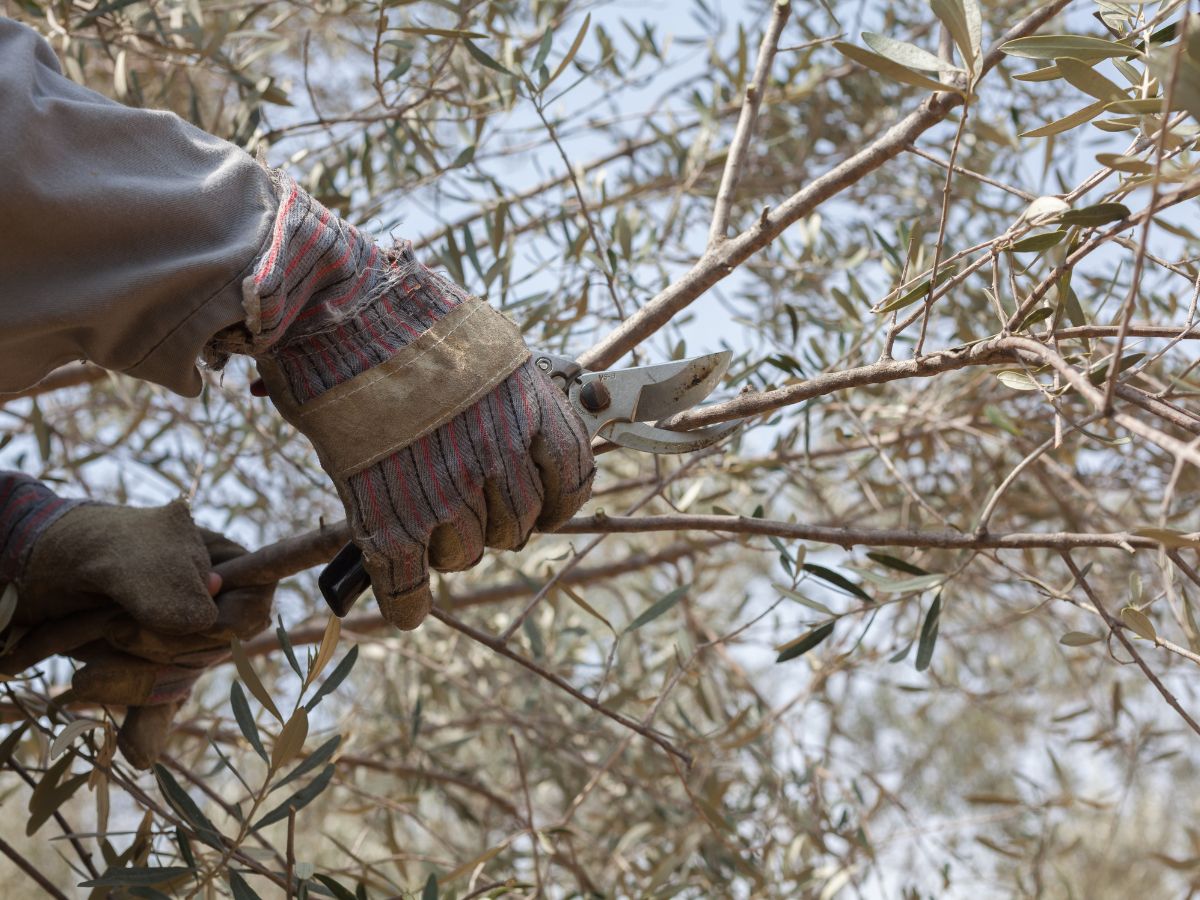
point(344, 580)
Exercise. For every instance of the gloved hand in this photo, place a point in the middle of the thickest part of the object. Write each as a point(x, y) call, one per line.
point(126, 591)
point(422, 402)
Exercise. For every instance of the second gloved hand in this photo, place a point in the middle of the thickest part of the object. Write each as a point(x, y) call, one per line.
point(127, 592)
point(440, 435)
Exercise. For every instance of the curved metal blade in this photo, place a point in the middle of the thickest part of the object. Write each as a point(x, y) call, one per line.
point(674, 387)
point(651, 439)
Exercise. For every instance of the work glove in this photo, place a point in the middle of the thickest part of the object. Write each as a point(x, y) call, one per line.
point(441, 436)
point(127, 592)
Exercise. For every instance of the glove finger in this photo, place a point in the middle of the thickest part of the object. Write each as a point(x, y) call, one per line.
point(243, 612)
point(57, 636)
point(110, 676)
point(143, 735)
point(166, 589)
point(400, 581)
point(452, 480)
point(563, 456)
point(456, 545)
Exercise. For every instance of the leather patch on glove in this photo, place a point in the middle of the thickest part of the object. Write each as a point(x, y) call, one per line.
point(442, 372)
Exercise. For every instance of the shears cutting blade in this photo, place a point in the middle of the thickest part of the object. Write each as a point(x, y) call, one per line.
point(622, 407)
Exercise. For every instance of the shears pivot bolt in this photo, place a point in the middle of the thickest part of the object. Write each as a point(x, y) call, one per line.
point(594, 396)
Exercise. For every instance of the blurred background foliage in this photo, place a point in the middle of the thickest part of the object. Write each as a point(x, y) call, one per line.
point(945, 722)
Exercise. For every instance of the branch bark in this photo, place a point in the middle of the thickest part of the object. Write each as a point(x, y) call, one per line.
point(747, 119)
point(854, 537)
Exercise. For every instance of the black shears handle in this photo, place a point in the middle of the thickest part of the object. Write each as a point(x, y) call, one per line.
point(343, 581)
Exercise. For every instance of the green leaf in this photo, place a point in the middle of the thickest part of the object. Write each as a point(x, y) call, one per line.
point(1038, 315)
point(317, 758)
point(1057, 46)
point(1066, 123)
point(911, 585)
point(298, 800)
point(899, 565)
point(336, 889)
point(241, 890)
point(1079, 639)
point(917, 293)
point(953, 15)
point(575, 45)
point(805, 601)
point(185, 847)
point(1088, 80)
point(1018, 381)
point(186, 807)
point(929, 633)
point(49, 795)
point(245, 718)
point(839, 580)
point(291, 740)
point(1047, 73)
point(660, 606)
point(336, 677)
point(804, 643)
point(465, 156)
point(1168, 537)
point(483, 58)
point(1100, 214)
point(908, 55)
point(1187, 82)
point(1141, 107)
point(543, 50)
point(1130, 164)
point(1139, 623)
point(1036, 243)
point(140, 877)
point(444, 32)
point(248, 675)
point(899, 655)
point(430, 891)
point(885, 66)
point(286, 644)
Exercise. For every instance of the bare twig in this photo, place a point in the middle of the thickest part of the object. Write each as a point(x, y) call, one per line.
point(855, 537)
point(31, 870)
point(1118, 629)
point(748, 118)
point(496, 644)
point(1139, 259)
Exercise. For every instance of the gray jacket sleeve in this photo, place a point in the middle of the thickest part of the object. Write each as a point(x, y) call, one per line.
point(124, 233)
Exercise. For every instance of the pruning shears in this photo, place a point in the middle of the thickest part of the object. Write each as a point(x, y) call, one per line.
point(621, 407)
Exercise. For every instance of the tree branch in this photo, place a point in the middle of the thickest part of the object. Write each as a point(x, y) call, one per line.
point(1118, 629)
point(718, 262)
point(748, 118)
point(852, 537)
point(499, 646)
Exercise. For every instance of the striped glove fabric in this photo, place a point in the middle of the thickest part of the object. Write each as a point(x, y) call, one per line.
point(27, 509)
point(440, 435)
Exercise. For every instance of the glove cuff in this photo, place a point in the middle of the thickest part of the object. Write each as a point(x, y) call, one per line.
point(27, 509)
point(445, 370)
point(328, 303)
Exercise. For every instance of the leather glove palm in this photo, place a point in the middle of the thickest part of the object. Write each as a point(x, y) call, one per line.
point(124, 591)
